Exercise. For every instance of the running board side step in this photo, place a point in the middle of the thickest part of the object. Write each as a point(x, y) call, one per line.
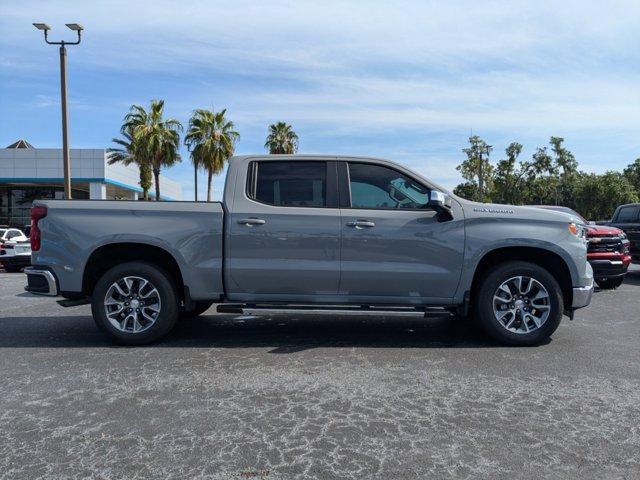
point(74, 302)
point(238, 308)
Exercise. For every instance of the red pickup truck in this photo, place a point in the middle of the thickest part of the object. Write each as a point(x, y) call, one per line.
point(608, 251)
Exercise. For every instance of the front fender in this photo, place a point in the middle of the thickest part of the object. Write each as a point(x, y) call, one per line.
point(488, 235)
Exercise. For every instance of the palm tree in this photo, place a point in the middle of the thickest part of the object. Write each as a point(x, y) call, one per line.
point(158, 138)
point(281, 139)
point(128, 154)
point(211, 138)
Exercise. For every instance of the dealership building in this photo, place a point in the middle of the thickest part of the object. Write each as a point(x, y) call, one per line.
point(28, 173)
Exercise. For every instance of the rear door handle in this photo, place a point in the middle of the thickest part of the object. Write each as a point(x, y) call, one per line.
point(250, 222)
point(360, 224)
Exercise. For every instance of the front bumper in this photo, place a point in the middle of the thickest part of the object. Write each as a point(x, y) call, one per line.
point(41, 282)
point(582, 296)
point(609, 268)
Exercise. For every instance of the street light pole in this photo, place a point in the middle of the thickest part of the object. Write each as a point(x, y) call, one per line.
point(195, 175)
point(66, 164)
point(195, 180)
point(63, 98)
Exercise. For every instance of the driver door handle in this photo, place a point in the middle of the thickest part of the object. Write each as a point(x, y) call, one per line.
point(250, 222)
point(360, 224)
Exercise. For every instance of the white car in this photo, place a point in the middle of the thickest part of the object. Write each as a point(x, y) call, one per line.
point(15, 249)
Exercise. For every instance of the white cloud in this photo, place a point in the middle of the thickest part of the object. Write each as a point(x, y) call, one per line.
point(516, 70)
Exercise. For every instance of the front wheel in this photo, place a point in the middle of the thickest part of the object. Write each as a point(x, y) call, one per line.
point(135, 303)
point(519, 303)
point(610, 283)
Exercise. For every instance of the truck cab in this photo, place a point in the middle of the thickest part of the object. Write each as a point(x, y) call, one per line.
point(627, 218)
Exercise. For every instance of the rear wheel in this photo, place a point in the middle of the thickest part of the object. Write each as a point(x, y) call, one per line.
point(135, 303)
point(610, 283)
point(519, 303)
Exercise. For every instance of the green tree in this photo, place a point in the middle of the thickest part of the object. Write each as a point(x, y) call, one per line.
point(281, 139)
point(158, 138)
point(211, 139)
point(551, 177)
point(542, 180)
point(129, 153)
point(597, 196)
point(468, 190)
point(508, 181)
point(565, 169)
point(476, 168)
point(632, 174)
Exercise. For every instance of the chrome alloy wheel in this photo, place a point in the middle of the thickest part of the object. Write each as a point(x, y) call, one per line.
point(521, 304)
point(132, 304)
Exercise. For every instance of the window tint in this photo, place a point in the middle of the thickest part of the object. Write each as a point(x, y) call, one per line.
point(374, 186)
point(289, 184)
point(13, 234)
point(628, 214)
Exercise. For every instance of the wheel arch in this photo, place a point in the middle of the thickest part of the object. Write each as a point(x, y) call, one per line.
point(109, 255)
point(547, 259)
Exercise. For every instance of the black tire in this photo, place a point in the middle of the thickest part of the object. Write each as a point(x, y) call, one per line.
point(484, 299)
point(610, 283)
point(199, 308)
point(165, 286)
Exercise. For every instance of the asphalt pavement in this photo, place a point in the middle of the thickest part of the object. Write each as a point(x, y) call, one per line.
point(307, 396)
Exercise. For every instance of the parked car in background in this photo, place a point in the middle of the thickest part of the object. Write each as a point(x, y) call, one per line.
point(15, 250)
point(312, 232)
point(608, 251)
point(12, 234)
point(627, 218)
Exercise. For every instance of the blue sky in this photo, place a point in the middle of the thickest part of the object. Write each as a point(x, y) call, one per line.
point(400, 80)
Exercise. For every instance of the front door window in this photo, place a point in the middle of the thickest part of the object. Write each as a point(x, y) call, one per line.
point(378, 187)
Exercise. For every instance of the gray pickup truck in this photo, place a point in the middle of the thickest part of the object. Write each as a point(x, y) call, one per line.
point(326, 233)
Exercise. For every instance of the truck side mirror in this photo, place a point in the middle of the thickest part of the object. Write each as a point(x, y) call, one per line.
point(441, 203)
point(439, 200)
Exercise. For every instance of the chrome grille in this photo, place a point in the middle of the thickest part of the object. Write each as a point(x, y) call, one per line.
point(604, 244)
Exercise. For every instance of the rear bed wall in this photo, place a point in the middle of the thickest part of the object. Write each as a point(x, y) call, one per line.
point(190, 232)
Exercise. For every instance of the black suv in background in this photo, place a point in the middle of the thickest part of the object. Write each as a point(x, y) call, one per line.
point(627, 219)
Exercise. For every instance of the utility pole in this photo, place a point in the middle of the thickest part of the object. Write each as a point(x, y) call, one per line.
point(482, 149)
point(195, 175)
point(195, 180)
point(481, 180)
point(63, 98)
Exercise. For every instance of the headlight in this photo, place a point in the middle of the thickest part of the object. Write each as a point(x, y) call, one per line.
point(622, 236)
point(576, 230)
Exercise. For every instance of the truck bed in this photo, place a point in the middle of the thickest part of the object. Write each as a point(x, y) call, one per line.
point(191, 232)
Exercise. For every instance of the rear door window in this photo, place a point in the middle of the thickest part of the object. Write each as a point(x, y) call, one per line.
point(288, 184)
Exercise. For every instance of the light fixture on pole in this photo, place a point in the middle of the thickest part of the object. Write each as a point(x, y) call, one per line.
point(76, 27)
